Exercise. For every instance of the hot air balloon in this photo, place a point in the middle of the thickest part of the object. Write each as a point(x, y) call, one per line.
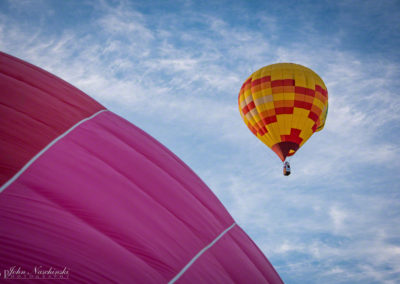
point(283, 105)
point(87, 196)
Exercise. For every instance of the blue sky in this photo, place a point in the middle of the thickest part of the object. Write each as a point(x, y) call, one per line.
point(175, 68)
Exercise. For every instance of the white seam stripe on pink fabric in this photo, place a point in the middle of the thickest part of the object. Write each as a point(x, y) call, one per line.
point(30, 162)
point(187, 266)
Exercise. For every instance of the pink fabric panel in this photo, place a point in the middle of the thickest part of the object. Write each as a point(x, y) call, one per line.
point(109, 197)
point(236, 255)
point(35, 108)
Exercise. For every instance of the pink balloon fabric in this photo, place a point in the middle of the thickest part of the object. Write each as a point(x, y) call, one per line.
point(89, 197)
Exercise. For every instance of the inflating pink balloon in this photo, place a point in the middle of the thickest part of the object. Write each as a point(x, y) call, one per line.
point(86, 195)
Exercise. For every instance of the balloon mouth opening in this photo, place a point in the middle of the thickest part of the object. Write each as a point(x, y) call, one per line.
point(285, 149)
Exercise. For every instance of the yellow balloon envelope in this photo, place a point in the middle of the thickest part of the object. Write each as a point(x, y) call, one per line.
point(283, 105)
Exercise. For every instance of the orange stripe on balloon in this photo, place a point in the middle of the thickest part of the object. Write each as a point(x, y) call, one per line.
point(261, 80)
point(246, 84)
